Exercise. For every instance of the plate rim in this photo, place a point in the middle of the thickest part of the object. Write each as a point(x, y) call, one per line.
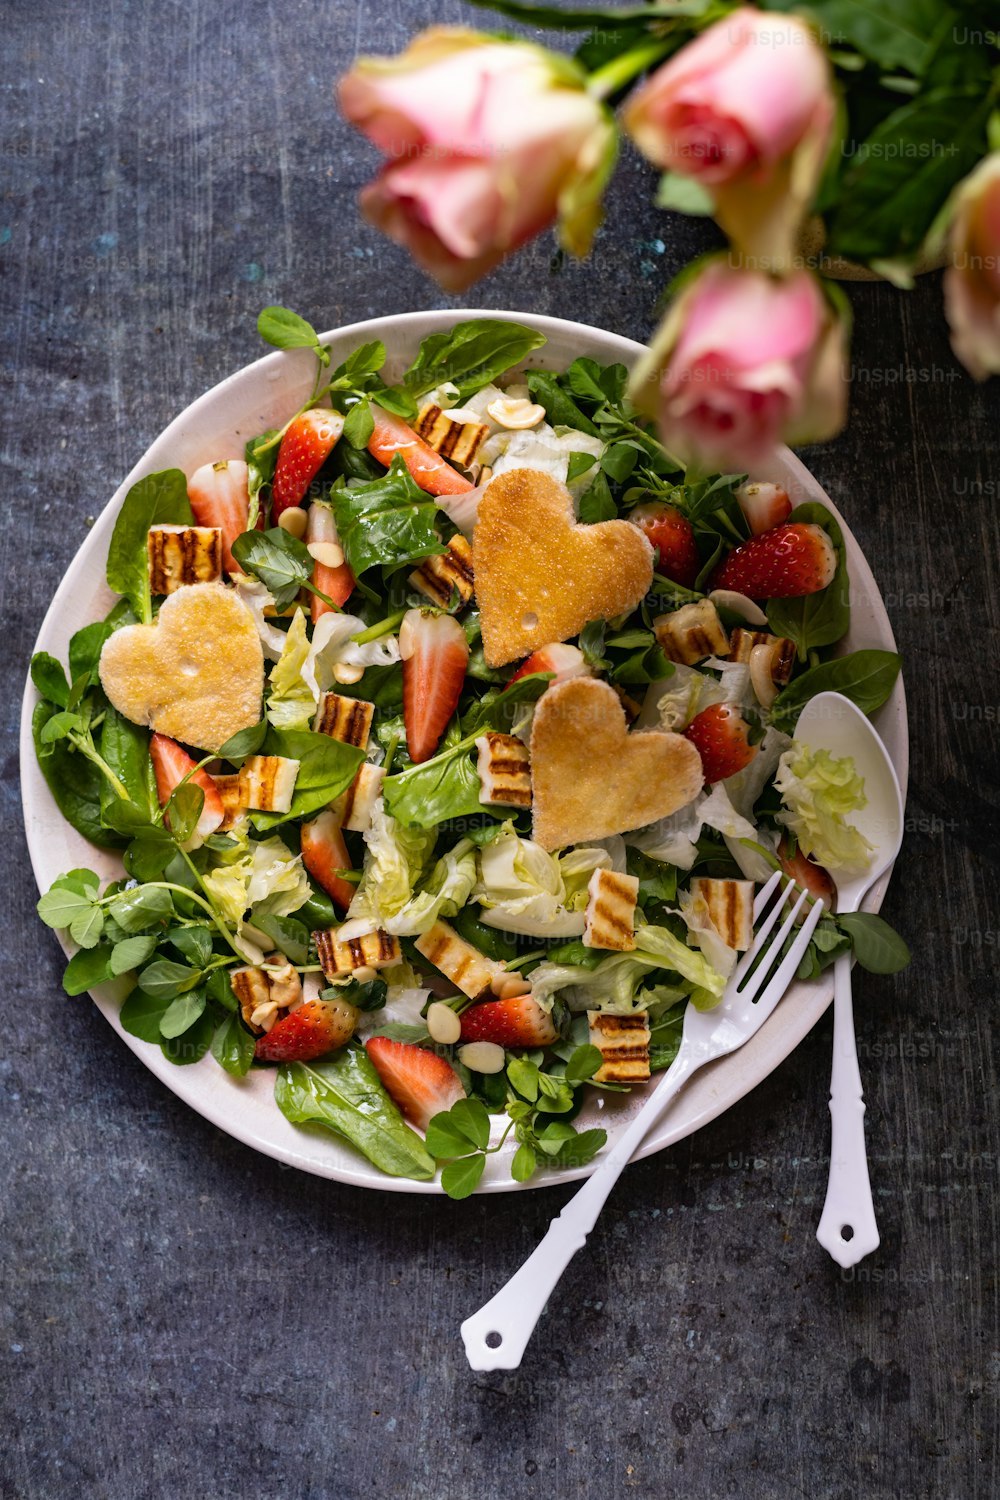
point(726, 1081)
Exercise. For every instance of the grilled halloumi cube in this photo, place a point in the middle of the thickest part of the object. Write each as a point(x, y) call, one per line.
point(267, 782)
point(468, 969)
point(262, 994)
point(729, 907)
point(458, 441)
point(691, 633)
point(781, 651)
point(610, 917)
point(346, 719)
point(354, 807)
point(183, 554)
point(233, 802)
point(623, 1042)
point(375, 950)
point(504, 770)
point(447, 578)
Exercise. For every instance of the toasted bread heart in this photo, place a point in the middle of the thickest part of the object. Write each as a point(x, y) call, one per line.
point(539, 575)
point(196, 675)
point(591, 778)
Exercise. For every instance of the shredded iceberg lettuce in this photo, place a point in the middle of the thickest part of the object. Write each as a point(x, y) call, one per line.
point(332, 646)
point(292, 703)
point(522, 888)
point(613, 986)
point(392, 893)
point(819, 791)
point(268, 878)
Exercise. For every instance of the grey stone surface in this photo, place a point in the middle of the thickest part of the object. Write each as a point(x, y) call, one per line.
point(183, 1317)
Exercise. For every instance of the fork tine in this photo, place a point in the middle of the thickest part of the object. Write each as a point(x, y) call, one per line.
point(762, 933)
point(772, 991)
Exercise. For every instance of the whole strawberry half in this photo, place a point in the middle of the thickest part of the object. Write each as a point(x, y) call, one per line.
point(806, 872)
point(720, 734)
point(304, 450)
point(421, 1083)
point(435, 655)
point(669, 530)
point(518, 1022)
point(311, 1030)
point(779, 564)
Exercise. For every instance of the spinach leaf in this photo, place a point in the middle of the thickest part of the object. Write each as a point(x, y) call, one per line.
point(75, 782)
point(446, 787)
point(49, 678)
point(561, 409)
point(85, 647)
point(233, 1046)
point(386, 521)
point(165, 980)
point(194, 943)
point(278, 559)
point(820, 619)
point(498, 708)
point(244, 742)
point(597, 502)
point(345, 1094)
point(877, 946)
point(181, 1014)
point(470, 355)
point(125, 748)
point(193, 1043)
point(141, 1014)
point(158, 499)
point(287, 934)
point(326, 768)
point(866, 677)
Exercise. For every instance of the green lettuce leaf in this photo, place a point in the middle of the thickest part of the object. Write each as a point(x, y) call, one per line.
point(819, 792)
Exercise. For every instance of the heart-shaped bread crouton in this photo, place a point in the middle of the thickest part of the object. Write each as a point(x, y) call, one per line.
point(539, 575)
point(196, 674)
point(591, 778)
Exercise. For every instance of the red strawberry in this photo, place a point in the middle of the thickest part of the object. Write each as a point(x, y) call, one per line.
point(337, 582)
point(779, 564)
point(304, 450)
point(671, 531)
point(310, 1030)
point(806, 872)
point(518, 1022)
point(420, 1081)
point(171, 764)
point(719, 734)
point(764, 505)
point(219, 497)
point(565, 661)
point(435, 655)
point(324, 853)
point(427, 468)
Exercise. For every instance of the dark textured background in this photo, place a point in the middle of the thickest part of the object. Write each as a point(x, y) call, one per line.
point(183, 1317)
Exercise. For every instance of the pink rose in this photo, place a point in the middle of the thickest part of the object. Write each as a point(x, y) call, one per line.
point(741, 363)
point(488, 143)
point(972, 281)
point(747, 110)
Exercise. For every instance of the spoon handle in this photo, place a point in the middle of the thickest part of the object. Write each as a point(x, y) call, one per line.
point(847, 1226)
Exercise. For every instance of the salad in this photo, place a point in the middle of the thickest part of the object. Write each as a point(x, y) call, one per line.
point(444, 736)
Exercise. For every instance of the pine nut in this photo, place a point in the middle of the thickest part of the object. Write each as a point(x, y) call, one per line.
point(294, 520)
point(443, 1024)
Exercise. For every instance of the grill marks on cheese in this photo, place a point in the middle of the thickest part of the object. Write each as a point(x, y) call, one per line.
point(457, 441)
point(183, 554)
point(373, 951)
point(623, 1042)
point(447, 576)
point(345, 719)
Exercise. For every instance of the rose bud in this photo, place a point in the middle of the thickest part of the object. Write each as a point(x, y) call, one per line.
point(743, 362)
point(488, 143)
point(747, 110)
point(972, 280)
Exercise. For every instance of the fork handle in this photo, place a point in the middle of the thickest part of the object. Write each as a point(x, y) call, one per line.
point(848, 1203)
point(497, 1335)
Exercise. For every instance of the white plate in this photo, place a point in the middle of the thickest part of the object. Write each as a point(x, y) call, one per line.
point(216, 426)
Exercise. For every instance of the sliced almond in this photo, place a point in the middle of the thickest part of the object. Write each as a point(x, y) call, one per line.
point(327, 554)
point(483, 1057)
point(443, 1024)
point(294, 520)
point(763, 683)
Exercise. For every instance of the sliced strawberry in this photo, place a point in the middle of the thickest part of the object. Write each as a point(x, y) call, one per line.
point(171, 764)
point(806, 872)
point(764, 504)
point(420, 1081)
point(670, 530)
point(719, 734)
point(564, 660)
point(219, 497)
point(435, 655)
point(310, 1030)
point(304, 450)
point(779, 564)
point(324, 853)
point(429, 470)
point(337, 582)
point(518, 1022)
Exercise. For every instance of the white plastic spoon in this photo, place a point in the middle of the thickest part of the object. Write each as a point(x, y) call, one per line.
point(847, 1226)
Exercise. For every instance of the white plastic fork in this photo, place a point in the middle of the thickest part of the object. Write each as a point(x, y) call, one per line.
point(497, 1335)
